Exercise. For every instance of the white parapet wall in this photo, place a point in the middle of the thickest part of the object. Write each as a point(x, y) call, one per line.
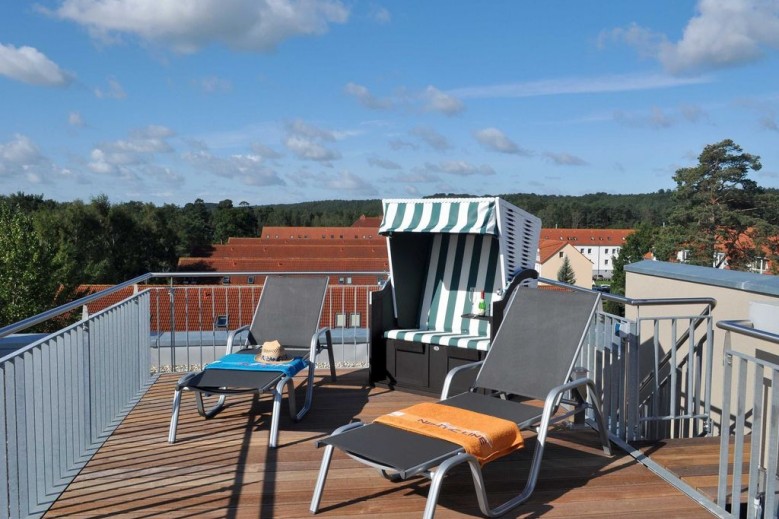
point(739, 296)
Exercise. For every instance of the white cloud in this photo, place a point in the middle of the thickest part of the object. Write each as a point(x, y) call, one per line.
point(569, 86)
point(432, 138)
point(249, 168)
point(438, 101)
point(213, 84)
point(265, 152)
point(29, 65)
point(132, 157)
point(114, 91)
point(347, 181)
point(19, 154)
point(188, 25)
point(656, 118)
point(20, 157)
point(305, 141)
point(723, 33)
point(565, 159)
point(400, 144)
point(383, 163)
point(365, 98)
point(381, 15)
point(307, 149)
point(693, 113)
point(495, 140)
point(460, 168)
point(75, 119)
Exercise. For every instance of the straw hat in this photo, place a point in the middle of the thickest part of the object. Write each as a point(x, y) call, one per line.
point(272, 353)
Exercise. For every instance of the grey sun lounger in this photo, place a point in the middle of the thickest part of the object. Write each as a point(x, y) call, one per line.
point(532, 356)
point(289, 310)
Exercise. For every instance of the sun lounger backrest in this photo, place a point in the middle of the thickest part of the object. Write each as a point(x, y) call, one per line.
point(288, 310)
point(459, 265)
point(538, 340)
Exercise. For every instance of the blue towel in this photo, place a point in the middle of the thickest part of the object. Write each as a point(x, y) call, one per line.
point(246, 362)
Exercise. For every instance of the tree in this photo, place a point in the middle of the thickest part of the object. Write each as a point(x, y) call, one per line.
point(565, 273)
point(716, 205)
point(196, 228)
point(29, 283)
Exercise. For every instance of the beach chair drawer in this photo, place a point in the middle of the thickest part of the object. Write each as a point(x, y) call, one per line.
point(407, 363)
point(445, 358)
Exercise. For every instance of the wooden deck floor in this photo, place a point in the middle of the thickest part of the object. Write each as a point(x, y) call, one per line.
point(223, 468)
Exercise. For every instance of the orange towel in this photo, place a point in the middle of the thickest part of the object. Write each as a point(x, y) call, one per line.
point(483, 436)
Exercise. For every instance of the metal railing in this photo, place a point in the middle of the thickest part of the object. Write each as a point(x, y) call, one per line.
point(749, 446)
point(190, 323)
point(63, 396)
point(654, 379)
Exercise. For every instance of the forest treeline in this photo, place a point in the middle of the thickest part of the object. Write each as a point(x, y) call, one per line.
point(103, 242)
point(715, 216)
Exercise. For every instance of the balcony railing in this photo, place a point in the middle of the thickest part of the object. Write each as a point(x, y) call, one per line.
point(63, 395)
point(750, 429)
point(653, 371)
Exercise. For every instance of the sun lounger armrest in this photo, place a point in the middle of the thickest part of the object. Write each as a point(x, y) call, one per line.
point(455, 372)
point(184, 380)
point(316, 345)
point(231, 338)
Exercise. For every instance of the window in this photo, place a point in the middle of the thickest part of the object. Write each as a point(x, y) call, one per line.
point(354, 320)
point(560, 254)
point(589, 251)
point(226, 280)
point(250, 280)
point(605, 262)
point(340, 320)
point(760, 265)
point(220, 322)
point(605, 251)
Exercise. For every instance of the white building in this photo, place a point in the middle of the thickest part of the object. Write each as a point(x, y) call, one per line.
point(600, 246)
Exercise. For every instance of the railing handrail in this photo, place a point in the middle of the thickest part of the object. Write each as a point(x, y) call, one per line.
point(745, 327)
point(709, 301)
point(144, 278)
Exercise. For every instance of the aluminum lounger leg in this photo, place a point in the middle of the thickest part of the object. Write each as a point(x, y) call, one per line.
point(438, 478)
point(321, 478)
point(274, 422)
point(174, 418)
point(275, 416)
point(309, 393)
point(325, 467)
point(211, 412)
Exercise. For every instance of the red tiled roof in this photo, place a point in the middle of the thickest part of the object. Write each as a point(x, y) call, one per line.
point(324, 233)
point(368, 221)
point(596, 237)
point(290, 264)
point(548, 248)
point(300, 250)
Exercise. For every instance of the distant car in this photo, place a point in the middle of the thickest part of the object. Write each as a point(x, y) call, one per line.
point(606, 289)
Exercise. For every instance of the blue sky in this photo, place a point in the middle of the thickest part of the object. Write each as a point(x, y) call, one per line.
point(276, 101)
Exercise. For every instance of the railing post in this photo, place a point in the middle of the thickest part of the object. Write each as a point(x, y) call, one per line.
point(171, 301)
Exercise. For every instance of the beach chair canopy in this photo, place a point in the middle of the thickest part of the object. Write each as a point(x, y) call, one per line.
point(444, 253)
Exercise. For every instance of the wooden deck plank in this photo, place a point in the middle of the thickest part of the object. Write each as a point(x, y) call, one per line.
point(223, 468)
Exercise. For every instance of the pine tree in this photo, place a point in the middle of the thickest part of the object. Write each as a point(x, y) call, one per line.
point(566, 274)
